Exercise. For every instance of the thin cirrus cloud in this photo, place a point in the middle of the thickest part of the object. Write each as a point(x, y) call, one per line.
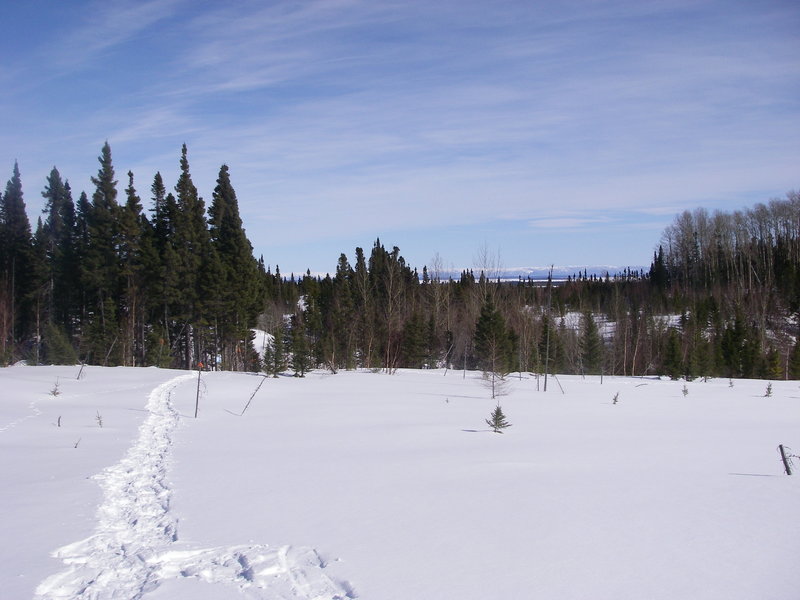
point(440, 124)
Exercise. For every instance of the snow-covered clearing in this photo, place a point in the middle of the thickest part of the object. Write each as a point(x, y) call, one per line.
point(366, 485)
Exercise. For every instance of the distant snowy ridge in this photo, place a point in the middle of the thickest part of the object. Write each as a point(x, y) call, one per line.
point(536, 273)
point(540, 273)
point(133, 549)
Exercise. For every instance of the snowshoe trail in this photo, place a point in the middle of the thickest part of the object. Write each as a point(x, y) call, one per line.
point(34, 412)
point(134, 545)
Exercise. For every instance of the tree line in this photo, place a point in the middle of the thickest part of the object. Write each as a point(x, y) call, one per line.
point(105, 281)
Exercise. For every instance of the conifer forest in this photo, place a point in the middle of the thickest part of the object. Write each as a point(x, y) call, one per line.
point(111, 278)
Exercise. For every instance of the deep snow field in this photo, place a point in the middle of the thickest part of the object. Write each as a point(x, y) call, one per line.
point(391, 487)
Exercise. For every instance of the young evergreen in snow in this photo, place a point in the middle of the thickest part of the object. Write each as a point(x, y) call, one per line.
point(497, 421)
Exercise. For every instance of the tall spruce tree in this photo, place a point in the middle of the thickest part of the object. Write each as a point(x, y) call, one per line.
point(99, 266)
point(16, 269)
point(237, 300)
point(161, 273)
point(192, 248)
point(131, 224)
point(60, 250)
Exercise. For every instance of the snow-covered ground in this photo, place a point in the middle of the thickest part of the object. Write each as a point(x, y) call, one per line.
point(391, 487)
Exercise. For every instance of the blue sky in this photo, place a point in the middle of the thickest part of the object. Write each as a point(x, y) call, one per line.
point(542, 132)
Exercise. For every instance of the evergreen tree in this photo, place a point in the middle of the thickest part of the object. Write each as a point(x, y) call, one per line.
point(162, 272)
point(16, 264)
point(794, 361)
point(343, 333)
point(551, 348)
point(132, 225)
point(301, 357)
point(237, 280)
point(413, 345)
point(192, 247)
point(56, 347)
point(274, 355)
point(732, 346)
point(659, 276)
point(491, 340)
point(99, 264)
point(60, 251)
point(771, 368)
point(591, 345)
point(497, 421)
point(673, 361)
point(492, 347)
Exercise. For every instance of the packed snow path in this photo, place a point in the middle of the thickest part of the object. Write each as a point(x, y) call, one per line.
point(134, 547)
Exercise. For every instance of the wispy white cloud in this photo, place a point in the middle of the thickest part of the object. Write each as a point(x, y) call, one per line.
point(106, 24)
point(567, 223)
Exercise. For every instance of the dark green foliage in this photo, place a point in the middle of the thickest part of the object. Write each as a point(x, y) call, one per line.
point(673, 362)
point(497, 421)
point(99, 263)
point(794, 361)
point(591, 346)
point(61, 259)
point(771, 366)
point(492, 345)
point(230, 286)
point(300, 355)
point(659, 276)
point(157, 349)
point(56, 348)
point(16, 269)
point(414, 342)
point(101, 343)
point(274, 354)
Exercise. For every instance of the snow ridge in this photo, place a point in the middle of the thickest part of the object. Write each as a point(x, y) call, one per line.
point(133, 548)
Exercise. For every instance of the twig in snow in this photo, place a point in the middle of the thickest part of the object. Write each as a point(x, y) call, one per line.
point(263, 379)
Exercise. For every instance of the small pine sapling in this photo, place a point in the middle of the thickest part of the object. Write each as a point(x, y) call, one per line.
point(498, 421)
point(685, 390)
point(768, 392)
point(99, 419)
point(55, 391)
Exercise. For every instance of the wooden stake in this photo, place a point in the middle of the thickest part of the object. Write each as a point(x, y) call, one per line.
point(197, 398)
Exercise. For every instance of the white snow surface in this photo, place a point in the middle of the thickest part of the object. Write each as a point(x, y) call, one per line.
point(390, 487)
